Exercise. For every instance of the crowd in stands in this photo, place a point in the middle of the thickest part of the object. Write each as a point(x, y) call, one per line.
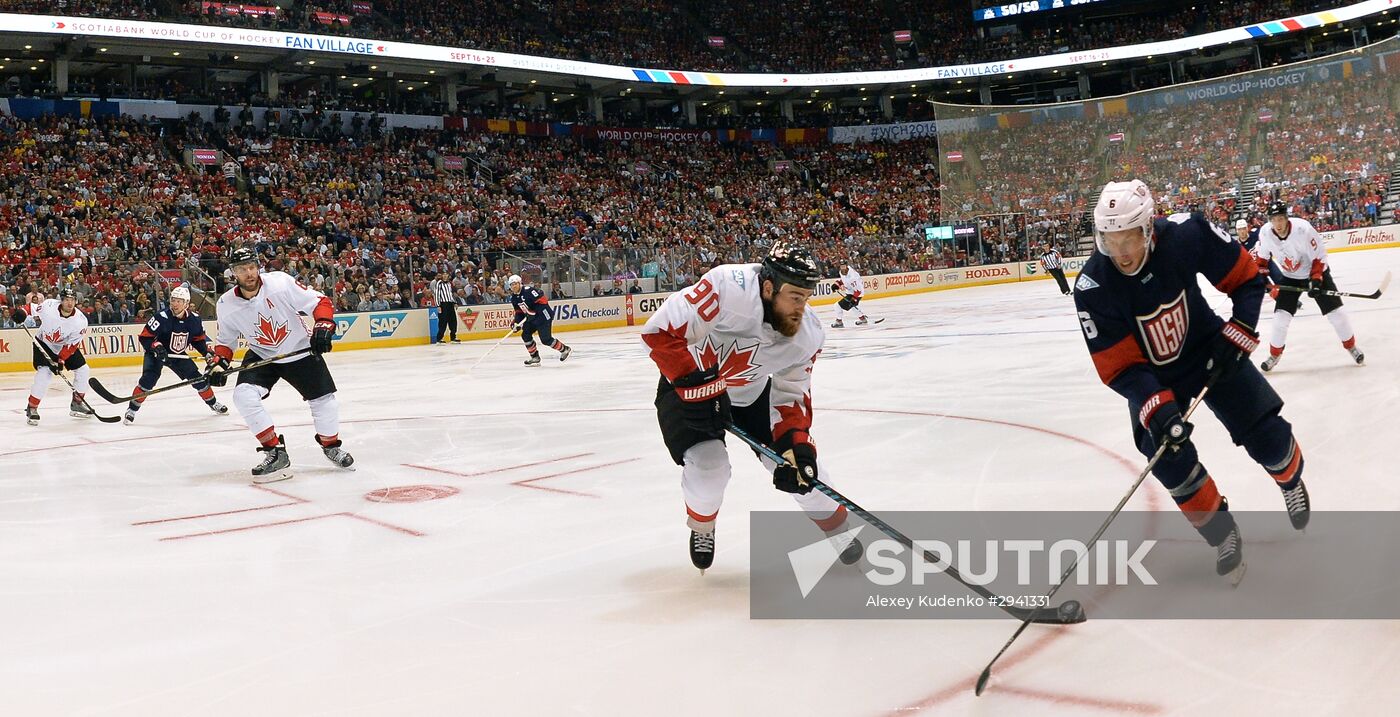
point(370, 213)
point(790, 36)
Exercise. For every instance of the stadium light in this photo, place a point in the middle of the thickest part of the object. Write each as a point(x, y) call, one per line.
point(103, 49)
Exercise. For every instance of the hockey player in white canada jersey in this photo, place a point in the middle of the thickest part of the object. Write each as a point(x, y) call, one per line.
point(739, 345)
point(1301, 256)
point(58, 345)
point(852, 288)
point(265, 310)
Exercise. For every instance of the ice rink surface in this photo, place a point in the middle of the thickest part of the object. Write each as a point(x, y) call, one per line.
point(534, 559)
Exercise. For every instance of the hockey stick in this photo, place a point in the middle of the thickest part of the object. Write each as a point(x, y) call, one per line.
point(1347, 294)
point(1066, 614)
point(57, 370)
point(514, 328)
point(873, 320)
point(110, 397)
point(1161, 451)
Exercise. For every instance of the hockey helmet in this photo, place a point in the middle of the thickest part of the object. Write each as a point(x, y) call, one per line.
point(790, 264)
point(1123, 206)
point(67, 293)
point(242, 255)
point(1277, 207)
point(1242, 224)
point(513, 280)
point(181, 293)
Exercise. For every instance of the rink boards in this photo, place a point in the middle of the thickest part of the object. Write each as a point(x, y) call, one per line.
point(117, 345)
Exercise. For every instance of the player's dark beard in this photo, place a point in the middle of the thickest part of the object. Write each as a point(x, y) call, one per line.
point(785, 325)
point(250, 293)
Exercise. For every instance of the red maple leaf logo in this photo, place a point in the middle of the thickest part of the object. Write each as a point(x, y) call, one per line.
point(736, 364)
point(270, 333)
point(794, 416)
point(1290, 265)
point(53, 337)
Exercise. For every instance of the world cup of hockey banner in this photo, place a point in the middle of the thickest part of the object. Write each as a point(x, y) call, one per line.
point(640, 134)
point(1147, 565)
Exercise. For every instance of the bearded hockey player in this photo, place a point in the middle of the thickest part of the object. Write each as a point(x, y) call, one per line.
point(1300, 255)
point(739, 345)
point(1154, 340)
point(57, 346)
point(265, 309)
point(167, 338)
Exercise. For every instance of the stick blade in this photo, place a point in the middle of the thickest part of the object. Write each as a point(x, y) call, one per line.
point(982, 681)
point(102, 391)
point(1385, 283)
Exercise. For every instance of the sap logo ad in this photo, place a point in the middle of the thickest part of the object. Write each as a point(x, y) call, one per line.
point(384, 325)
point(342, 325)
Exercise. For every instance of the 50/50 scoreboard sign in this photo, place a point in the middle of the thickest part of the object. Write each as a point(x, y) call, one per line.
point(1024, 8)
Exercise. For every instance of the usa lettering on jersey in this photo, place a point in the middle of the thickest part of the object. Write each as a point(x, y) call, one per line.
point(1164, 331)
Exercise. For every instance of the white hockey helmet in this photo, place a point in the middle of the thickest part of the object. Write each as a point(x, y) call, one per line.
point(1242, 224)
point(1123, 206)
point(513, 280)
point(180, 292)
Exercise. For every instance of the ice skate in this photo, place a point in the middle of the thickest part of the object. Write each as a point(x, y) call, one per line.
point(79, 409)
point(274, 466)
point(1299, 507)
point(31, 415)
point(702, 549)
point(533, 360)
point(1229, 557)
point(1359, 357)
point(337, 455)
point(1270, 362)
point(564, 353)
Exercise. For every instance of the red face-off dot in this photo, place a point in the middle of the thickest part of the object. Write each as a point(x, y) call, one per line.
point(410, 493)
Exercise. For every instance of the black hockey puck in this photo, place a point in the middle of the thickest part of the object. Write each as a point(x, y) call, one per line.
point(1071, 611)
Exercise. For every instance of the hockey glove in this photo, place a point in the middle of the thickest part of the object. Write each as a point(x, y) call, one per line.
point(159, 352)
point(1273, 291)
point(1315, 279)
point(215, 370)
point(704, 401)
point(321, 334)
point(799, 474)
point(1232, 348)
point(1162, 418)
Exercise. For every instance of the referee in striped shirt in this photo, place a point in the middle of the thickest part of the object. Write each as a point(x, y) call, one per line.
point(447, 307)
point(1050, 259)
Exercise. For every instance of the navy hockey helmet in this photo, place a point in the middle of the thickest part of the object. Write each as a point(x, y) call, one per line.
point(790, 264)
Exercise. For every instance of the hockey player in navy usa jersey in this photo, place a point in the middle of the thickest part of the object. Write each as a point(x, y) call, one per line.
point(1155, 340)
point(167, 338)
point(533, 315)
